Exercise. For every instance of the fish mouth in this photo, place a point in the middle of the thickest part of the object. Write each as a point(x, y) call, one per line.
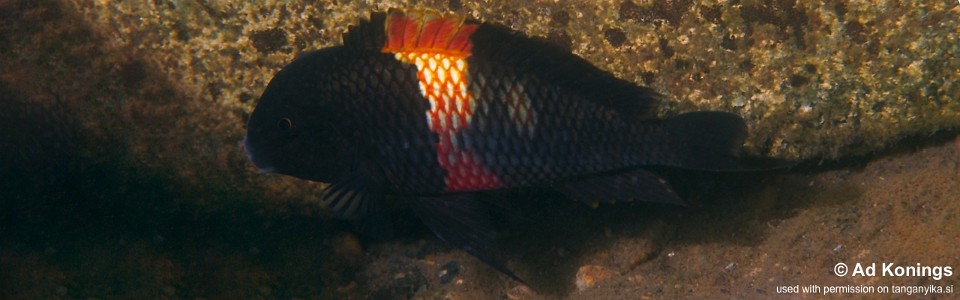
point(252, 158)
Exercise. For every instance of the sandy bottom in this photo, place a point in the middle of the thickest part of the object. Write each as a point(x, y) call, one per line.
point(745, 235)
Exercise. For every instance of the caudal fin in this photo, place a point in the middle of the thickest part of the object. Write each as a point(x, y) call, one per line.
point(707, 140)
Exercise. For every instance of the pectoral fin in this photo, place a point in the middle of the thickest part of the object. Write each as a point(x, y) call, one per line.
point(352, 197)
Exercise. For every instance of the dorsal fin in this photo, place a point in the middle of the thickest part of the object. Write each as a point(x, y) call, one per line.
point(428, 31)
point(368, 34)
point(556, 65)
point(414, 31)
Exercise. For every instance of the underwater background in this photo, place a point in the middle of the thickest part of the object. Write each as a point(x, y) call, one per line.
point(122, 173)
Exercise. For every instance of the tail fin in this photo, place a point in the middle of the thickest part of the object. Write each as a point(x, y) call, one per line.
point(707, 140)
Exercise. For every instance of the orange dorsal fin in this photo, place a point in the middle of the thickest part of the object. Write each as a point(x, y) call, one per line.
point(427, 31)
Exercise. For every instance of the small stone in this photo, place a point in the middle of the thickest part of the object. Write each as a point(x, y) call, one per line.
point(406, 282)
point(449, 271)
point(730, 267)
point(269, 40)
point(837, 249)
point(521, 292)
point(644, 253)
point(347, 247)
point(590, 275)
point(615, 36)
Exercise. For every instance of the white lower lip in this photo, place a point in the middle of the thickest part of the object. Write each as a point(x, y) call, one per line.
point(249, 152)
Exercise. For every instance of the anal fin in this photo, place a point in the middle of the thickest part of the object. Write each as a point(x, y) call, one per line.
point(633, 185)
point(463, 222)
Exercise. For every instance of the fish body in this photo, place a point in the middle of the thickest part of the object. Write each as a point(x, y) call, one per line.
point(434, 107)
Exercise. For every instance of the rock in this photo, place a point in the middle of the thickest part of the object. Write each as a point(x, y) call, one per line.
point(590, 276)
point(164, 88)
point(175, 83)
point(810, 81)
point(404, 284)
point(521, 292)
point(449, 271)
point(347, 248)
point(627, 252)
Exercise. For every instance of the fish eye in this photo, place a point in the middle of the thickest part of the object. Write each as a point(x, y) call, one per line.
point(284, 124)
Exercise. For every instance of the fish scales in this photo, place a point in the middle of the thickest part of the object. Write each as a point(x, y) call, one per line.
point(434, 107)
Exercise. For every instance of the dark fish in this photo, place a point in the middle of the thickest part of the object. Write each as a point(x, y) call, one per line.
point(433, 107)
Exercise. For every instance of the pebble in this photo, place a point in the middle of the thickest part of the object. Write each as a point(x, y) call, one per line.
point(347, 247)
point(521, 292)
point(837, 249)
point(589, 276)
point(730, 267)
point(449, 271)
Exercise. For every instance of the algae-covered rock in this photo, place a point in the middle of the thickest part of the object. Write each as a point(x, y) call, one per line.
point(173, 82)
point(138, 109)
point(813, 79)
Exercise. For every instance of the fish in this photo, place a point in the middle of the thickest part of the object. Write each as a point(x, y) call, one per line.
point(434, 108)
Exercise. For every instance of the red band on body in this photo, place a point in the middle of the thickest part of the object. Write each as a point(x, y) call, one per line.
point(438, 47)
